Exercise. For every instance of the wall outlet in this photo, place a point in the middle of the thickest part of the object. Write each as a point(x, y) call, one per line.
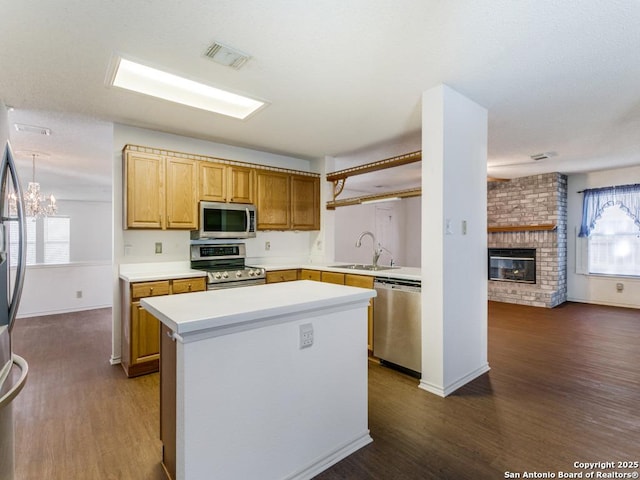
point(306, 335)
point(619, 287)
point(267, 245)
point(158, 247)
point(79, 294)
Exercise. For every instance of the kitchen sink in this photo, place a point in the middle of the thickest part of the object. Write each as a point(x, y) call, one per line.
point(360, 266)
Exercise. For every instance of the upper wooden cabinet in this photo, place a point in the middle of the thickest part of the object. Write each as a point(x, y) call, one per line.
point(182, 193)
point(273, 200)
point(160, 191)
point(305, 202)
point(225, 183)
point(144, 190)
point(241, 181)
point(287, 201)
point(213, 181)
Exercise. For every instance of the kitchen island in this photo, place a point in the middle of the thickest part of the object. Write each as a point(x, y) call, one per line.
point(264, 381)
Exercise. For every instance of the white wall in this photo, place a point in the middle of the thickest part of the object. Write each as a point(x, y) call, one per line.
point(454, 280)
point(51, 289)
point(4, 123)
point(412, 232)
point(401, 235)
point(599, 289)
point(91, 229)
point(388, 222)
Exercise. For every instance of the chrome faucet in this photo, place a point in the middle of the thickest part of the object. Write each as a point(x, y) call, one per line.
point(376, 251)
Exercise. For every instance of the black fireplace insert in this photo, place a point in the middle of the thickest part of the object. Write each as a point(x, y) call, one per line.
point(512, 265)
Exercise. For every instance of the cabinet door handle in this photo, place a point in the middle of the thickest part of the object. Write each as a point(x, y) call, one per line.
point(150, 290)
point(189, 287)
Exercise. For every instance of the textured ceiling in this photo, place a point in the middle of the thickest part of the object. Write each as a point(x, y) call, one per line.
point(342, 76)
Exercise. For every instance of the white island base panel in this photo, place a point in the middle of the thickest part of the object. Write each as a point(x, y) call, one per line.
point(252, 404)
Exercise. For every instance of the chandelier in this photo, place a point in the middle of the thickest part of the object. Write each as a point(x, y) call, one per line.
point(35, 205)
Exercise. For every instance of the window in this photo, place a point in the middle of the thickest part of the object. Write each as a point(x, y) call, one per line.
point(13, 242)
point(611, 221)
point(48, 240)
point(56, 239)
point(614, 244)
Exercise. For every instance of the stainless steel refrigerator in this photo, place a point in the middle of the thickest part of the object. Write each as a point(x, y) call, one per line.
point(13, 368)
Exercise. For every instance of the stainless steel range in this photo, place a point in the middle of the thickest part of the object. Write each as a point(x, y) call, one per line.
point(224, 264)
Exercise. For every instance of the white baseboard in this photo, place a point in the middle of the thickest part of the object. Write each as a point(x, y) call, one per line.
point(606, 304)
point(321, 464)
point(65, 310)
point(452, 387)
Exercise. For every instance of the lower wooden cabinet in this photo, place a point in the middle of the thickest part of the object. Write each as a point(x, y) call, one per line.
point(276, 276)
point(362, 281)
point(333, 277)
point(140, 329)
point(306, 274)
point(145, 346)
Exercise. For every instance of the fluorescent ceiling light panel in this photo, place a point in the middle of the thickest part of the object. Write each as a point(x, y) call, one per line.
point(380, 200)
point(156, 83)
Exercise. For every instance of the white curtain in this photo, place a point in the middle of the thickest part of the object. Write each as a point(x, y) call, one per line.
point(597, 199)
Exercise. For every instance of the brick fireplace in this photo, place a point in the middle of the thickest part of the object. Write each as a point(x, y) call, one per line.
point(531, 213)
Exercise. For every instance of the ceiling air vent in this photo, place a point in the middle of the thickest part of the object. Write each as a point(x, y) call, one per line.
point(543, 156)
point(20, 127)
point(227, 56)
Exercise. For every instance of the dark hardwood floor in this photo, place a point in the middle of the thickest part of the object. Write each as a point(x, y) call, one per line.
point(564, 386)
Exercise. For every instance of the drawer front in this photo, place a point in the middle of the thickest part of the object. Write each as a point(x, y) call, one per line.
point(310, 275)
point(362, 281)
point(282, 276)
point(149, 289)
point(186, 285)
point(333, 277)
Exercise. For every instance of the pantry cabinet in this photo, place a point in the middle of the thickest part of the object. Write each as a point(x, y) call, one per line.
point(140, 330)
point(160, 191)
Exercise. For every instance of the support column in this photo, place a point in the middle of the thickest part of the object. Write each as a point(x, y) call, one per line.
point(454, 240)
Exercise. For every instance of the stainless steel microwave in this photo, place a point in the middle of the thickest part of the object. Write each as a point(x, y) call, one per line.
point(226, 220)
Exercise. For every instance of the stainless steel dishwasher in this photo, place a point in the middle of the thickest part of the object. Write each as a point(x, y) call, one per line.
point(397, 323)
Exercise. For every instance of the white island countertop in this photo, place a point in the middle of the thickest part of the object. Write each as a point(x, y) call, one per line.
point(223, 311)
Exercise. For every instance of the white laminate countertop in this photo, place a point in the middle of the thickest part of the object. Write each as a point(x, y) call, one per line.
point(149, 272)
point(407, 273)
point(249, 307)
